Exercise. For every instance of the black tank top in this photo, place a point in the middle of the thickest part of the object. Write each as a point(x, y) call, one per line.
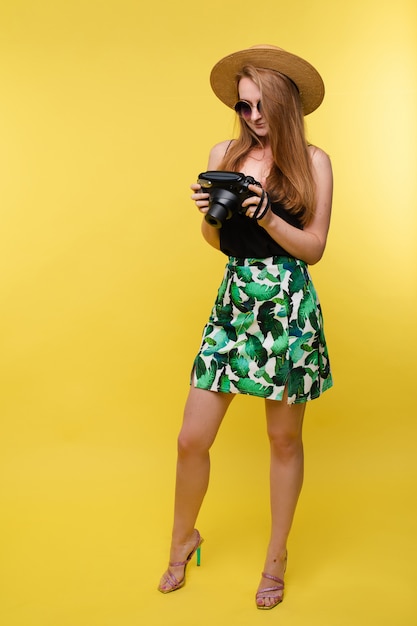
point(243, 237)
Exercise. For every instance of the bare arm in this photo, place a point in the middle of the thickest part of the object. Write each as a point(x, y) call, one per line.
point(308, 244)
point(210, 234)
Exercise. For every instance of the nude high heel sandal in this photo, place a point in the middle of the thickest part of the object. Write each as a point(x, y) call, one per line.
point(271, 592)
point(276, 592)
point(169, 582)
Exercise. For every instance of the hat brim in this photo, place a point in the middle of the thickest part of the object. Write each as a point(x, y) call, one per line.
point(307, 79)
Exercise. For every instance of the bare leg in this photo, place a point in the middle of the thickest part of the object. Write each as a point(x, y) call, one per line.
point(284, 424)
point(204, 412)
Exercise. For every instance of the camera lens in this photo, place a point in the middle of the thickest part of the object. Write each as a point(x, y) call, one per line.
point(222, 204)
point(216, 215)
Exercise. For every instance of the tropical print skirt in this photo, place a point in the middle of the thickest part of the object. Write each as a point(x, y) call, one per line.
point(265, 333)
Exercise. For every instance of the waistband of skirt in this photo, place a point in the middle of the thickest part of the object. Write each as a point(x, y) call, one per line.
point(262, 262)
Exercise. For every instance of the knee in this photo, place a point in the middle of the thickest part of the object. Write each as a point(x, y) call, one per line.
point(189, 444)
point(286, 444)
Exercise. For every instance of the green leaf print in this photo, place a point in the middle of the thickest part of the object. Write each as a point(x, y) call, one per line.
point(265, 317)
point(314, 320)
point(255, 389)
point(206, 380)
point(307, 306)
point(282, 371)
point(221, 359)
point(224, 385)
point(216, 343)
point(244, 321)
point(255, 350)
point(222, 312)
point(296, 382)
point(244, 273)
point(268, 322)
point(261, 292)
point(315, 389)
point(293, 329)
point(264, 273)
point(285, 303)
point(325, 369)
point(200, 367)
point(222, 290)
point(280, 345)
point(236, 298)
point(262, 373)
point(297, 280)
point(239, 364)
point(312, 358)
point(230, 331)
point(299, 346)
point(271, 277)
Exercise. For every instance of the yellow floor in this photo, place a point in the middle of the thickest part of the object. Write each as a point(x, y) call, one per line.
point(85, 531)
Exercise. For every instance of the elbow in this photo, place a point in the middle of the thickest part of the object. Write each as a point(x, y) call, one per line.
point(316, 250)
point(315, 254)
point(314, 258)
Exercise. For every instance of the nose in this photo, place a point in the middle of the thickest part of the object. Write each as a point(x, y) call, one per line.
point(255, 113)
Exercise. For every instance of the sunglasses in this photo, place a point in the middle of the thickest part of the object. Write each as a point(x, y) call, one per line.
point(244, 109)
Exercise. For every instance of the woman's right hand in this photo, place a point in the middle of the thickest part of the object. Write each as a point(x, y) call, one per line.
point(200, 198)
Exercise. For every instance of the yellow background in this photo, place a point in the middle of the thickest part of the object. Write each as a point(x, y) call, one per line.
point(106, 117)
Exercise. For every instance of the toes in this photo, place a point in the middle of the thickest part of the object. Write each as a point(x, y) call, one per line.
point(268, 601)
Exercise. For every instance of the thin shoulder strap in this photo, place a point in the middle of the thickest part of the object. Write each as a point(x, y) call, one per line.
point(228, 146)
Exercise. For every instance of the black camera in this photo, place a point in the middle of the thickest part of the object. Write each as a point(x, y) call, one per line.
point(227, 192)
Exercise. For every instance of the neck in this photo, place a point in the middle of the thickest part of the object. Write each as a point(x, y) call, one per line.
point(263, 149)
point(264, 142)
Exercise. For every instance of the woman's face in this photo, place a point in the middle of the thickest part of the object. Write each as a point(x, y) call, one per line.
point(249, 92)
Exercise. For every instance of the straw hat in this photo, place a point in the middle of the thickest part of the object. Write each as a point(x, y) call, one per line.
point(308, 81)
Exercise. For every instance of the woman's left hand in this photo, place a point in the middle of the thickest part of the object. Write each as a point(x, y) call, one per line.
point(257, 206)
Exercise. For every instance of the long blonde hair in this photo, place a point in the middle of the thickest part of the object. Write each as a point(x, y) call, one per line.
point(290, 180)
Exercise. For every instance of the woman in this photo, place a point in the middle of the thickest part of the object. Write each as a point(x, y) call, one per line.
point(265, 333)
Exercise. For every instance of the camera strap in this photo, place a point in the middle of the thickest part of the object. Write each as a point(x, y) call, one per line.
point(257, 215)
